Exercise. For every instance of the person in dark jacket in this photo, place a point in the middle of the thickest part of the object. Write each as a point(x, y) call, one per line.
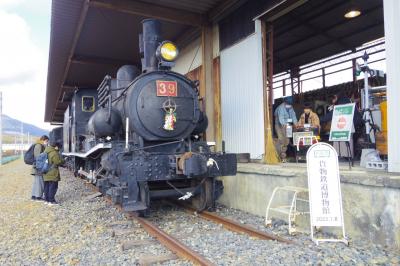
point(38, 185)
point(52, 177)
point(340, 147)
point(338, 99)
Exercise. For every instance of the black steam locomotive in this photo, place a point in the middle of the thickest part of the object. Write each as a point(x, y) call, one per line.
point(139, 136)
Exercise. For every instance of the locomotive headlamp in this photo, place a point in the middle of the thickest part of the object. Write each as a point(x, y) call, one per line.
point(167, 51)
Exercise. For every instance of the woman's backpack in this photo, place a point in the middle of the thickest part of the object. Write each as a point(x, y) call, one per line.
point(42, 164)
point(29, 157)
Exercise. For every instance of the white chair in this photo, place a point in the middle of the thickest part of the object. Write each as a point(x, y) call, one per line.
point(289, 209)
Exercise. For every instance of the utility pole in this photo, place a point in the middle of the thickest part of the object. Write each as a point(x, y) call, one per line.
point(22, 139)
point(1, 128)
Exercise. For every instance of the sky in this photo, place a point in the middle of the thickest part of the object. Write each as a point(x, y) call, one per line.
point(24, 46)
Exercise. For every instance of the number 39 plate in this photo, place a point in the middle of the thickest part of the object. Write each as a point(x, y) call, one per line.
point(167, 88)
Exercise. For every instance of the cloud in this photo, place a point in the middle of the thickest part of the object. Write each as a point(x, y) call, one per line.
point(9, 3)
point(23, 68)
point(18, 54)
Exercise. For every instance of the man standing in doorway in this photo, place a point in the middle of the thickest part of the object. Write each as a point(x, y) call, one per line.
point(284, 117)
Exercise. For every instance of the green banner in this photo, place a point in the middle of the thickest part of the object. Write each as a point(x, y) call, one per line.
point(344, 110)
point(342, 122)
point(339, 135)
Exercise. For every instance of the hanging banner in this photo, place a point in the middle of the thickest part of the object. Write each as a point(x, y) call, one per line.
point(342, 122)
point(324, 186)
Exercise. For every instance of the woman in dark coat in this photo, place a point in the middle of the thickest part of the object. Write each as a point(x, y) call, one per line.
point(52, 177)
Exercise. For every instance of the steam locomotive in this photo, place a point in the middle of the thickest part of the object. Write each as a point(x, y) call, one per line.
point(139, 136)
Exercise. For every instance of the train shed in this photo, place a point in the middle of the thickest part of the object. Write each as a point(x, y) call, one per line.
point(93, 38)
point(244, 52)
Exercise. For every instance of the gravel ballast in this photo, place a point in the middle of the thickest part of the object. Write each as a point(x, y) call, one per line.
point(89, 231)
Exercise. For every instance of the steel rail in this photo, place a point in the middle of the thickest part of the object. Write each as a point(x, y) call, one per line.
point(172, 243)
point(237, 227)
point(177, 247)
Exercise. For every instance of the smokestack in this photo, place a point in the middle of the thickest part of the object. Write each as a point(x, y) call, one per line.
point(151, 39)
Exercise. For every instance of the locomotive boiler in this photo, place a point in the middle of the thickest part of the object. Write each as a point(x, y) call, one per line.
point(140, 137)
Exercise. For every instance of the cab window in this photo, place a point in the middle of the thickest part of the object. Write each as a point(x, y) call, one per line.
point(87, 103)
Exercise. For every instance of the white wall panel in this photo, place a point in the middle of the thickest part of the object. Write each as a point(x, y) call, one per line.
point(192, 54)
point(189, 57)
point(391, 12)
point(242, 96)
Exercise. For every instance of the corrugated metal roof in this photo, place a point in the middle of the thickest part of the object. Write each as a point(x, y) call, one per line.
point(314, 30)
point(108, 38)
point(61, 38)
point(200, 7)
point(318, 29)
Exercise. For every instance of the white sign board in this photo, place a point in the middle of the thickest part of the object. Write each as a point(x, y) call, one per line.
point(342, 122)
point(324, 185)
point(324, 189)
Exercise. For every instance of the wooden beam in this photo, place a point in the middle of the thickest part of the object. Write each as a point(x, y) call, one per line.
point(318, 31)
point(223, 9)
point(61, 105)
point(206, 82)
point(217, 102)
point(336, 25)
point(270, 155)
point(69, 88)
point(187, 36)
point(82, 18)
point(91, 60)
point(151, 10)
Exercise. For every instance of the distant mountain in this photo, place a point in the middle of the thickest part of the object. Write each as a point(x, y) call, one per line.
point(12, 126)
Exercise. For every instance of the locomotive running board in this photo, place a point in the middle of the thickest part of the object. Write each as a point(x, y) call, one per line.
point(100, 146)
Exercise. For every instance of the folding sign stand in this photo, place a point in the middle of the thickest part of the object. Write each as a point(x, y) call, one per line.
point(324, 191)
point(350, 158)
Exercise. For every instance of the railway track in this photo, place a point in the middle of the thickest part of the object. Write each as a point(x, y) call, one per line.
point(178, 247)
point(235, 226)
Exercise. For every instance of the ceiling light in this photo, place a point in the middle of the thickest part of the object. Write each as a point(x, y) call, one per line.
point(352, 13)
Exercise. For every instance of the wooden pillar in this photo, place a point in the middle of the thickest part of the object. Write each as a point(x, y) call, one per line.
point(269, 45)
point(206, 82)
point(270, 154)
point(217, 102)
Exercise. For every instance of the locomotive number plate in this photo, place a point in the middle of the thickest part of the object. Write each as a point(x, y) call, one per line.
point(167, 88)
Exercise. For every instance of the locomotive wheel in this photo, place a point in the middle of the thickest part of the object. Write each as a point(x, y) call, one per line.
point(204, 200)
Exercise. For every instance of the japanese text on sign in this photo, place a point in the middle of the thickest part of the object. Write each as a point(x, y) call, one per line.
point(324, 186)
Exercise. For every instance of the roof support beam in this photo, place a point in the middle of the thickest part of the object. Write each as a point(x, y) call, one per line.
point(89, 60)
point(187, 36)
point(326, 6)
point(150, 10)
point(206, 80)
point(314, 48)
point(221, 10)
point(374, 9)
point(79, 27)
point(319, 31)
